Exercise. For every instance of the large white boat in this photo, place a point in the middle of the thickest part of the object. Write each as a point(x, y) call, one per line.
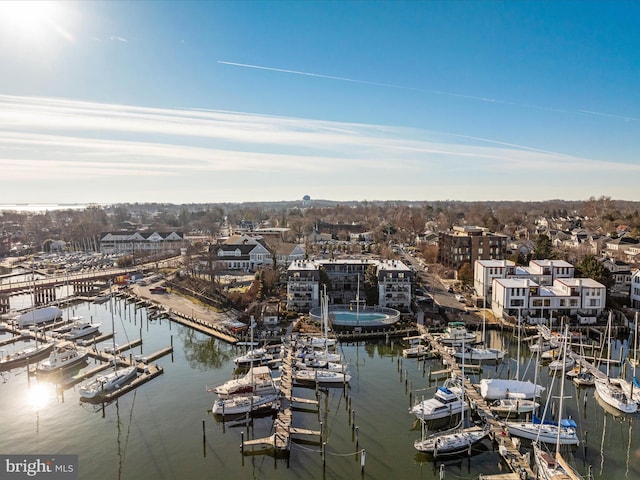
point(257, 381)
point(64, 355)
point(615, 392)
point(38, 316)
point(497, 388)
point(612, 392)
point(81, 328)
point(456, 334)
point(103, 384)
point(245, 404)
point(446, 402)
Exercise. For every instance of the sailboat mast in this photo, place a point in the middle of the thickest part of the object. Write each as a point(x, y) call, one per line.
point(564, 356)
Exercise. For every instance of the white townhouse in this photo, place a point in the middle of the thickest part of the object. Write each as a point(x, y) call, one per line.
point(583, 297)
point(543, 272)
point(125, 243)
point(486, 270)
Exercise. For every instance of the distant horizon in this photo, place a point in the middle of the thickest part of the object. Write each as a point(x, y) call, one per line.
point(188, 102)
point(40, 207)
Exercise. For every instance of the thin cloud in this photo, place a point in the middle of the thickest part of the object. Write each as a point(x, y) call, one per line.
point(133, 146)
point(430, 91)
point(118, 39)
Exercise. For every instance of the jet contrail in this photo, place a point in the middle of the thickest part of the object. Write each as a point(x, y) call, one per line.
point(318, 75)
point(434, 92)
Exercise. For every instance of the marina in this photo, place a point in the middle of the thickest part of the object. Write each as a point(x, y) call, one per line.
point(331, 429)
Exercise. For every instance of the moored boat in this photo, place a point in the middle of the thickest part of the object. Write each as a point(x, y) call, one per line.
point(64, 355)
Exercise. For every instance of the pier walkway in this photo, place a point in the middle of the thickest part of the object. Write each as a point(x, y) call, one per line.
point(517, 462)
point(282, 426)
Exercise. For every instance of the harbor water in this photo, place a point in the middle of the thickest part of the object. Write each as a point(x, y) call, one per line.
point(164, 428)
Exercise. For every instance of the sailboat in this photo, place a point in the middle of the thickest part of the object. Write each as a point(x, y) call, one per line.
point(256, 356)
point(504, 388)
point(103, 384)
point(549, 466)
point(455, 441)
point(613, 391)
point(480, 354)
point(545, 431)
point(333, 374)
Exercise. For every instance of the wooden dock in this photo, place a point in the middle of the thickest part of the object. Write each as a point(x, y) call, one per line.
point(517, 462)
point(280, 440)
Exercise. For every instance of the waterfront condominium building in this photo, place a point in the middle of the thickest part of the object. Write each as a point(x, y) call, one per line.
point(467, 244)
point(345, 280)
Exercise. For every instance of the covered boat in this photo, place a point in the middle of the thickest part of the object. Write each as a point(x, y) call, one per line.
point(38, 316)
point(497, 388)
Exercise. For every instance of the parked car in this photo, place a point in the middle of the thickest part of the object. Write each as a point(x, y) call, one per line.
point(158, 290)
point(460, 298)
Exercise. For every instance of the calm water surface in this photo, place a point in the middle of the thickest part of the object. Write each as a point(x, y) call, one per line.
point(155, 432)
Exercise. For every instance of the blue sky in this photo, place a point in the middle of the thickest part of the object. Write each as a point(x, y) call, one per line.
point(346, 100)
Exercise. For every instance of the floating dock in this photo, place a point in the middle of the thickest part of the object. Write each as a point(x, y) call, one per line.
point(282, 426)
point(517, 462)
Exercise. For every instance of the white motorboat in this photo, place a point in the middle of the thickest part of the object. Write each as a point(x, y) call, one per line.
point(455, 334)
point(320, 376)
point(478, 354)
point(417, 351)
point(257, 356)
point(103, 384)
point(244, 404)
point(257, 381)
point(320, 364)
point(446, 402)
point(513, 406)
point(316, 342)
point(81, 328)
point(64, 355)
